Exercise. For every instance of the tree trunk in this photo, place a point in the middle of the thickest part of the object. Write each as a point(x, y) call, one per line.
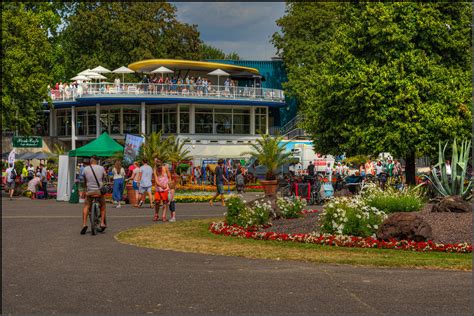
point(410, 168)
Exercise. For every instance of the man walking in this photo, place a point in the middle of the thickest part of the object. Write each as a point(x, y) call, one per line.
point(44, 181)
point(145, 176)
point(11, 176)
point(219, 179)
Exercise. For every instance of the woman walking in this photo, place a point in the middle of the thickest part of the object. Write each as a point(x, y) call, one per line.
point(119, 175)
point(161, 191)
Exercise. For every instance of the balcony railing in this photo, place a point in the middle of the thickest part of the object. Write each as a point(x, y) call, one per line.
point(166, 90)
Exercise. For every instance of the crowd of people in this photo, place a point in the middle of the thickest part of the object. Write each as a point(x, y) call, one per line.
point(155, 84)
point(38, 179)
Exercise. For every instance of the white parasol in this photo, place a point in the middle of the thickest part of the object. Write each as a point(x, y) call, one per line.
point(101, 70)
point(162, 70)
point(123, 70)
point(218, 73)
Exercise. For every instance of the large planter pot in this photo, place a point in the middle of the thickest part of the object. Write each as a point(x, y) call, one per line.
point(269, 187)
point(132, 199)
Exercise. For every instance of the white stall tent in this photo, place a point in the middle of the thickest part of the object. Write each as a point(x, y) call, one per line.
point(66, 175)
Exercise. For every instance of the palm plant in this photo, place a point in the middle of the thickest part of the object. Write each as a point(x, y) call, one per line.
point(155, 146)
point(176, 151)
point(460, 159)
point(269, 152)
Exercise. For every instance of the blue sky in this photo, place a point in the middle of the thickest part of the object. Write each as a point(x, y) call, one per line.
point(243, 27)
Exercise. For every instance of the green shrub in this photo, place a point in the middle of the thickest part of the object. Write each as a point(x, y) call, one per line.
point(350, 216)
point(392, 200)
point(240, 214)
point(290, 207)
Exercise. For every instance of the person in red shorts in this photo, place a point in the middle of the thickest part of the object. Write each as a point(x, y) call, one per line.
point(161, 191)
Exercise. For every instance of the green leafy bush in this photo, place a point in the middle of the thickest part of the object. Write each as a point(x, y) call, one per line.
point(290, 207)
point(350, 216)
point(240, 214)
point(392, 200)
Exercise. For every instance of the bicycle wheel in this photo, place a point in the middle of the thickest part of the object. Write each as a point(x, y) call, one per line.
point(93, 218)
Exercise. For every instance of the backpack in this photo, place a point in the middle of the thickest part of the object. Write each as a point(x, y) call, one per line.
point(31, 173)
point(13, 174)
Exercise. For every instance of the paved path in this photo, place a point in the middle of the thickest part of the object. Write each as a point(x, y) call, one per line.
point(48, 267)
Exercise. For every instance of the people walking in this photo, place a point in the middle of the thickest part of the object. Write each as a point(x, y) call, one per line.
point(119, 175)
point(134, 176)
point(145, 176)
point(11, 177)
point(44, 180)
point(219, 179)
point(161, 191)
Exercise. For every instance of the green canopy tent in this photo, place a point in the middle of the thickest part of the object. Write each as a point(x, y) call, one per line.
point(104, 146)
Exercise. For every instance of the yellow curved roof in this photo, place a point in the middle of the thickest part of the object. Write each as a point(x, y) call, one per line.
point(149, 65)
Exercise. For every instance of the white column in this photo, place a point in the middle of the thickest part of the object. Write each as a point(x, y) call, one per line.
point(192, 119)
point(266, 120)
point(121, 120)
point(51, 122)
point(142, 118)
point(178, 123)
point(73, 127)
point(252, 120)
point(97, 119)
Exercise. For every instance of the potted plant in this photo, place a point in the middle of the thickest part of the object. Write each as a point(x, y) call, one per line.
point(271, 153)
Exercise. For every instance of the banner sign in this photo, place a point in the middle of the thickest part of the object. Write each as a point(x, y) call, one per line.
point(11, 157)
point(132, 147)
point(27, 142)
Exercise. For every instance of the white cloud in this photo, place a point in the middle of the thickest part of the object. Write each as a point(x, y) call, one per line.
point(243, 27)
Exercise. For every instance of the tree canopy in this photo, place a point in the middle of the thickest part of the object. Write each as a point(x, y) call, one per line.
point(45, 42)
point(377, 77)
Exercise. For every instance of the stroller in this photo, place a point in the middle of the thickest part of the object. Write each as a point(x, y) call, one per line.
point(354, 183)
point(309, 189)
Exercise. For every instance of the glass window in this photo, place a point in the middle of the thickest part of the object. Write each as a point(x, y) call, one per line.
point(64, 122)
point(184, 119)
point(203, 121)
point(91, 122)
point(241, 121)
point(131, 121)
point(260, 119)
point(156, 119)
point(81, 122)
point(104, 120)
point(169, 120)
point(114, 121)
point(223, 123)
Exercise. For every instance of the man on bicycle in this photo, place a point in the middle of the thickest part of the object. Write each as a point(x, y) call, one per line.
point(93, 189)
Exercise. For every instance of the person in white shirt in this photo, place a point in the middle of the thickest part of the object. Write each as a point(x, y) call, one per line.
point(93, 181)
point(119, 175)
point(11, 175)
point(145, 176)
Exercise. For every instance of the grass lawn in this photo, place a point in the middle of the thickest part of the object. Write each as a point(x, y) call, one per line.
point(193, 236)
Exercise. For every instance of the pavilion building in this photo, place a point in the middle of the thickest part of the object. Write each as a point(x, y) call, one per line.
point(217, 120)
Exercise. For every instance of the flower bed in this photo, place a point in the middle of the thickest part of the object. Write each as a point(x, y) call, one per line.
point(194, 187)
point(221, 228)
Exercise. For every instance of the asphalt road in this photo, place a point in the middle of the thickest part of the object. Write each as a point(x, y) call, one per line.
point(49, 268)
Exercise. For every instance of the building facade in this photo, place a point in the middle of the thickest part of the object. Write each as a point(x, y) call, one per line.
point(217, 116)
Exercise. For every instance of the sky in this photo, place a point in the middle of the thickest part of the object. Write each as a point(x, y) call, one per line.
point(243, 27)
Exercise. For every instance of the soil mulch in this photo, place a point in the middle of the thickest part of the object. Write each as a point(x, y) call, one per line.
point(446, 227)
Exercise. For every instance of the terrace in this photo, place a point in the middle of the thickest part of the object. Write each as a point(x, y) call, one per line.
point(178, 91)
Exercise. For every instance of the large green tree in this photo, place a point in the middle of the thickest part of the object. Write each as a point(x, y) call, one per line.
point(112, 34)
point(27, 50)
point(211, 52)
point(374, 77)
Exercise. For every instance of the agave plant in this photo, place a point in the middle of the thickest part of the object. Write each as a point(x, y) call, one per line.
point(270, 153)
point(459, 161)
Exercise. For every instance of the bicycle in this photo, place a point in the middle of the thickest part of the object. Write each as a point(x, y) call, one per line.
point(94, 215)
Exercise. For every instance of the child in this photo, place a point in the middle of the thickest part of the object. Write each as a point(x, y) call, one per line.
point(172, 186)
point(240, 181)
